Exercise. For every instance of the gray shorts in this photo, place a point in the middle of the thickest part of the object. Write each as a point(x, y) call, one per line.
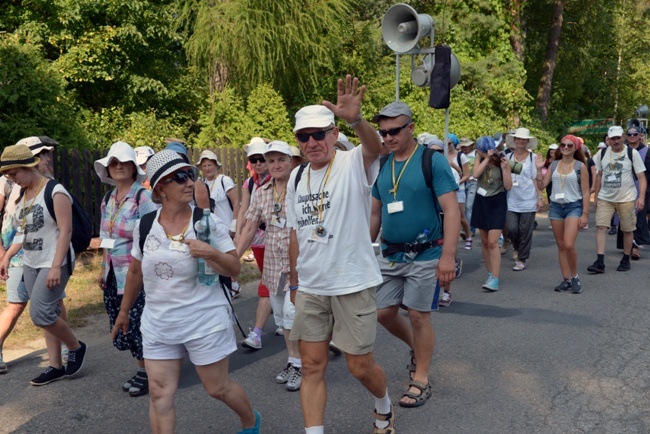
point(44, 302)
point(16, 291)
point(411, 284)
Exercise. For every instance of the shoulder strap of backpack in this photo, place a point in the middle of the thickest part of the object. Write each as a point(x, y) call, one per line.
point(299, 175)
point(577, 166)
point(251, 185)
point(49, 200)
point(602, 155)
point(223, 187)
point(197, 214)
point(427, 171)
point(460, 164)
point(630, 155)
point(146, 222)
point(107, 197)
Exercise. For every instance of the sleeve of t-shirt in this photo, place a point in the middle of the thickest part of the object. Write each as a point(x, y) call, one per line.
point(443, 179)
point(367, 179)
point(597, 161)
point(291, 199)
point(136, 253)
point(463, 159)
point(61, 189)
point(375, 191)
point(228, 183)
point(637, 161)
point(3, 183)
point(222, 241)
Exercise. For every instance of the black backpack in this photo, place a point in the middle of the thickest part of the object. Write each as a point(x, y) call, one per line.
point(146, 222)
point(82, 226)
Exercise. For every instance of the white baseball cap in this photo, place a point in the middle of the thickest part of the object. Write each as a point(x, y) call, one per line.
point(313, 116)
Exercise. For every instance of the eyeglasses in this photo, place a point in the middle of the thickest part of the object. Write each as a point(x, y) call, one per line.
point(393, 131)
point(318, 135)
point(632, 134)
point(182, 176)
point(438, 150)
point(566, 145)
point(255, 160)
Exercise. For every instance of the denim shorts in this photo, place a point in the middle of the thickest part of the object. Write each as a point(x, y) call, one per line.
point(561, 211)
point(461, 194)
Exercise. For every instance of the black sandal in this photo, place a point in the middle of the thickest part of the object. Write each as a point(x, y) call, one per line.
point(420, 398)
point(139, 384)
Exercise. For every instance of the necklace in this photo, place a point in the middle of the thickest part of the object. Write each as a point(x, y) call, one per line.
point(115, 213)
point(318, 208)
point(277, 198)
point(181, 237)
point(566, 175)
point(31, 204)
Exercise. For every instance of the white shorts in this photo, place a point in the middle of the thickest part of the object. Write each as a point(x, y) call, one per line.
point(283, 310)
point(202, 351)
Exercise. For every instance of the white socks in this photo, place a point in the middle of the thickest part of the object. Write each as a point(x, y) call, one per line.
point(295, 361)
point(382, 406)
point(315, 430)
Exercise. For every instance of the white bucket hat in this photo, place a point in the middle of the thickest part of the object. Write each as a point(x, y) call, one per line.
point(208, 155)
point(38, 144)
point(521, 133)
point(142, 154)
point(162, 164)
point(123, 152)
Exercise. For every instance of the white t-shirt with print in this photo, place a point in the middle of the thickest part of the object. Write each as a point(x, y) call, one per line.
point(522, 197)
point(218, 193)
point(178, 308)
point(617, 182)
point(346, 262)
point(41, 230)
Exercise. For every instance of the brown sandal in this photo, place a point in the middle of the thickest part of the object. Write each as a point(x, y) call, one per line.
point(390, 417)
point(635, 254)
point(420, 398)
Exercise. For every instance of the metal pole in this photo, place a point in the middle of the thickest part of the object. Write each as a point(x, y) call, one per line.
point(446, 147)
point(396, 76)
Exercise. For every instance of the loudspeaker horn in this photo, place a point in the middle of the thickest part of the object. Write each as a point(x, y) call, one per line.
point(402, 27)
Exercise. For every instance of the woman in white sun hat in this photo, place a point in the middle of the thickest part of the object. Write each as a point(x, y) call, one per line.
point(121, 208)
point(524, 199)
point(182, 317)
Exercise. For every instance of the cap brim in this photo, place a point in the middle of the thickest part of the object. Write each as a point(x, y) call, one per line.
point(312, 123)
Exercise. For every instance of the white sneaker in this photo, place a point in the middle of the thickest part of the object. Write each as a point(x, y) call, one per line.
point(519, 266)
point(279, 331)
point(334, 349)
point(295, 379)
point(284, 375)
point(252, 341)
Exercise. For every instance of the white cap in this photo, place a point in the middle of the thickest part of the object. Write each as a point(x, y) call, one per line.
point(615, 131)
point(258, 145)
point(553, 146)
point(602, 145)
point(208, 155)
point(313, 116)
point(278, 146)
point(142, 154)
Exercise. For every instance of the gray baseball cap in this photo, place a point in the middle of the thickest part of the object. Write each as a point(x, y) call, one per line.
point(393, 110)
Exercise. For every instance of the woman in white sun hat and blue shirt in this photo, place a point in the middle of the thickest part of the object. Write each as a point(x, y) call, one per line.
point(182, 316)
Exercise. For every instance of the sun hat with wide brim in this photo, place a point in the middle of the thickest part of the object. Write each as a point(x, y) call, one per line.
point(208, 155)
point(123, 152)
point(521, 133)
point(17, 156)
point(38, 144)
point(162, 164)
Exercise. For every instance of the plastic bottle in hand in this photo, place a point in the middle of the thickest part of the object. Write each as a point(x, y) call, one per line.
point(207, 274)
point(422, 238)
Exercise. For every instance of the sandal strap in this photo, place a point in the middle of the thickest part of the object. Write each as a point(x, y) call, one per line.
point(423, 387)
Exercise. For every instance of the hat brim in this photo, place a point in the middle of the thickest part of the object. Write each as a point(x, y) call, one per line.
point(463, 144)
point(19, 166)
point(101, 168)
point(169, 171)
point(510, 141)
point(198, 164)
point(312, 123)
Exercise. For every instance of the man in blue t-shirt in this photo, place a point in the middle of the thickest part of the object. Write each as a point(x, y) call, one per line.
point(404, 207)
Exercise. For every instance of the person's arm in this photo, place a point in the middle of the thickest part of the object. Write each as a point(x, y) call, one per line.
point(446, 271)
point(506, 174)
point(542, 181)
point(63, 212)
point(593, 176)
point(246, 236)
point(132, 289)
point(348, 108)
point(4, 265)
point(201, 195)
point(375, 219)
point(232, 195)
point(294, 250)
point(643, 184)
point(584, 186)
point(241, 216)
point(480, 164)
point(466, 173)
point(597, 184)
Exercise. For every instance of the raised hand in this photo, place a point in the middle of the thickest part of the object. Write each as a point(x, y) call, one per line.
point(348, 104)
point(539, 161)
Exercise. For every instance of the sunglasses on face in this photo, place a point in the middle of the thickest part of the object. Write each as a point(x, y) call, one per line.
point(566, 145)
point(182, 176)
point(255, 160)
point(318, 135)
point(632, 134)
point(393, 131)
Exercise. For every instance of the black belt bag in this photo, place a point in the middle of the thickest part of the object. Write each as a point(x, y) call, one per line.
point(409, 247)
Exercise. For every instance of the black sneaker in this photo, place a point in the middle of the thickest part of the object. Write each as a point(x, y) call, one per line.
point(576, 286)
point(623, 266)
point(612, 230)
point(75, 360)
point(139, 384)
point(51, 374)
point(565, 285)
point(597, 268)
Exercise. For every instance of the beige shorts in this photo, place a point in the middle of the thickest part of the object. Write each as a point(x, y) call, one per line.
point(350, 320)
point(626, 214)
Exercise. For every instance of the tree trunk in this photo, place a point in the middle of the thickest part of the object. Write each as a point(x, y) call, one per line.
point(546, 82)
point(516, 32)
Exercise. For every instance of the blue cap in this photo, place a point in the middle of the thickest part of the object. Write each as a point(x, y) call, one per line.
point(177, 147)
point(485, 143)
point(453, 139)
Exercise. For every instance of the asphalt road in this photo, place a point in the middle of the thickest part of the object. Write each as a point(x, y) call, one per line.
point(522, 360)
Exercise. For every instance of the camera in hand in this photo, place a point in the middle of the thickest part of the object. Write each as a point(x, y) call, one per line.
point(515, 166)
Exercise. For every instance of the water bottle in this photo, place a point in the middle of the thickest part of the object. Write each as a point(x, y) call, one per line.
point(422, 238)
point(207, 274)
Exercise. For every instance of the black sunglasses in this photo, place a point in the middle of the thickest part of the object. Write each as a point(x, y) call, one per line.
point(318, 135)
point(255, 160)
point(566, 145)
point(182, 176)
point(632, 134)
point(393, 131)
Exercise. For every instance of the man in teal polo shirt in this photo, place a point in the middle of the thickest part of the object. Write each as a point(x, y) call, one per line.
point(412, 258)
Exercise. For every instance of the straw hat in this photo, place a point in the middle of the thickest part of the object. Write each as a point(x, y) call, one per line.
point(521, 133)
point(162, 164)
point(17, 156)
point(123, 152)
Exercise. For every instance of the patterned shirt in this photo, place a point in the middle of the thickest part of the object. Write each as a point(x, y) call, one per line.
point(9, 224)
point(124, 217)
point(276, 254)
